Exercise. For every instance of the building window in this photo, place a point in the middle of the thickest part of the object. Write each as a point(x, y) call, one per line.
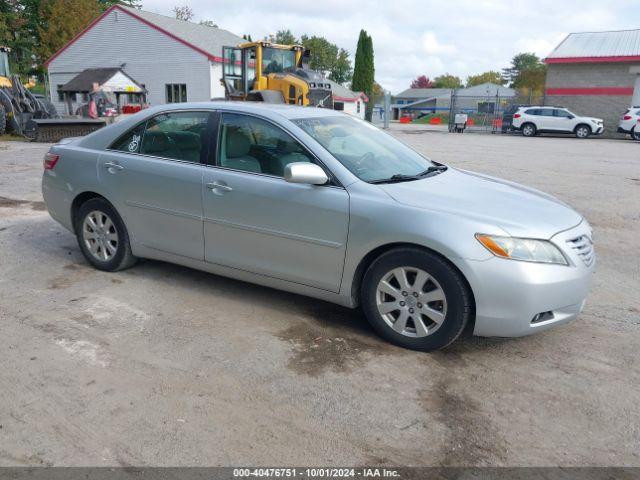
point(358, 106)
point(60, 93)
point(176, 92)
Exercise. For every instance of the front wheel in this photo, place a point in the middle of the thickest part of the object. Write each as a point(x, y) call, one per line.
point(415, 299)
point(102, 236)
point(635, 134)
point(582, 131)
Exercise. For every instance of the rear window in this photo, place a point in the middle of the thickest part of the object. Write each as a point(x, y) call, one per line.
point(130, 141)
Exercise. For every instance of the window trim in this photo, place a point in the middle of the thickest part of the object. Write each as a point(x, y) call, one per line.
point(333, 180)
point(207, 152)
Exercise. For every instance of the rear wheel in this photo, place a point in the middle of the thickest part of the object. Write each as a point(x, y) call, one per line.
point(582, 131)
point(102, 236)
point(529, 130)
point(415, 299)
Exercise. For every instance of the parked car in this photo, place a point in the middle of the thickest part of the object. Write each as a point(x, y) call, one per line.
point(533, 120)
point(319, 203)
point(630, 123)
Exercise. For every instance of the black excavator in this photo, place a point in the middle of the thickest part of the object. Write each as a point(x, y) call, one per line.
point(33, 116)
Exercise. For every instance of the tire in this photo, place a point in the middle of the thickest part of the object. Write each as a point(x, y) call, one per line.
point(426, 322)
point(635, 134)
point(582, 131)
point(3, 120)
point(529, 130)
point(109, 242)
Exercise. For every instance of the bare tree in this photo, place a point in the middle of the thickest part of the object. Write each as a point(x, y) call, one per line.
point(183, 13)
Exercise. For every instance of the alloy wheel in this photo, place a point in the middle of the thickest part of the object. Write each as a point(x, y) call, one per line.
point(411, 302)
point(100, 235)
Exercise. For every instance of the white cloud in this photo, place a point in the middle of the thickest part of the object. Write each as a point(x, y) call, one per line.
point(416, 37)
point(432, 46)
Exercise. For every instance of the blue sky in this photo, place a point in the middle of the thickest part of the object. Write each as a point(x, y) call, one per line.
point(415, 37)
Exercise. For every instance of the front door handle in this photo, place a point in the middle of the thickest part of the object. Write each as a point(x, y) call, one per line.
point(113, 167)
point(219, 186)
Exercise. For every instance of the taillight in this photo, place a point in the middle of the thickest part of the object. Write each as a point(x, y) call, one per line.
point(50, 160)
point(517, 115)
point(627, 117)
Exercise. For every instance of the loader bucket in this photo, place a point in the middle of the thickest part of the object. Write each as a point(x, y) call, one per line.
point(54, 129)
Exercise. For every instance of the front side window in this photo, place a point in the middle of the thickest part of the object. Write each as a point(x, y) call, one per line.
point(254, 145)
point(368, 152)
point(176, 92)
point(176, 135)
point(563, 114)
point(276, 60)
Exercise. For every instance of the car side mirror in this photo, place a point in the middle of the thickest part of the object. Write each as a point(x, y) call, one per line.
point(571, 117)
point(305, 172)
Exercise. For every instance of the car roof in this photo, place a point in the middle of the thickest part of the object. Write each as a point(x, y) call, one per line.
point(259, 108)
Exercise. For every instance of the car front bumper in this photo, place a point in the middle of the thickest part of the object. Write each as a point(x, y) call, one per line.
point(515, 298)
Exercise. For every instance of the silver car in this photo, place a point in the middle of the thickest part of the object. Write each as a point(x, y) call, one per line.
point(319, 203)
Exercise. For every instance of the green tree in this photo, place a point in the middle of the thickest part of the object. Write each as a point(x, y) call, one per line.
point(327, 58)
point(60, 21)
point(487, 77)
point(104, 4)
point(447, 81)
point(526, 73)
point(364, 70)
point(247, 37)
point(285, 37)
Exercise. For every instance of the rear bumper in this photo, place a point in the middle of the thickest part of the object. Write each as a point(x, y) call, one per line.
point(510, 294)
point(57, 199)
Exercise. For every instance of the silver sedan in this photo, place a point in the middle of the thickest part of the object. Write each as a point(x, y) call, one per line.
point(319, 203)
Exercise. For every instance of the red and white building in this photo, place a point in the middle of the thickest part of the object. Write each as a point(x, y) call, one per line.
point(596, 74)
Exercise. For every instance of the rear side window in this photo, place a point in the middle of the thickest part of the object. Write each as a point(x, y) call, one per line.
point(533, 111)
point(130, 141)
point(179, 136)
point(546, 112)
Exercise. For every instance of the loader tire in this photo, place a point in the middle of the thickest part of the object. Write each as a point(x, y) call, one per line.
point(3, 120)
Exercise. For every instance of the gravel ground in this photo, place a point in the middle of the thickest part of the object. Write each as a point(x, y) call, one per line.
point(162, 365)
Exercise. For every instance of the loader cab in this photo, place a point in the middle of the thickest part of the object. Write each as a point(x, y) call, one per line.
point(5, 72)
point(264, 71)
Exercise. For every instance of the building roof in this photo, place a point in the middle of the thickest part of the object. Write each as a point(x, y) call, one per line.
point(423, 93)
point(202, 38)
point(343, 94)
point(486, 89)
point(593, 47)
point(83, 82)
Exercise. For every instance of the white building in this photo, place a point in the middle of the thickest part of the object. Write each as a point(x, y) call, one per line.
point(172, 59)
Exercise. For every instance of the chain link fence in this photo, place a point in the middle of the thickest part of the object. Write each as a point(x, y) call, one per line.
point(488, 113)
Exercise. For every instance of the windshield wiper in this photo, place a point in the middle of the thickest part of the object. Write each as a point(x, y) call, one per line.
point(397, 178)
point(407, 178)
point(432, 169)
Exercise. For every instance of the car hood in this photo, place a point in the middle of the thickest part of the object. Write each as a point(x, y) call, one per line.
point(519, 210)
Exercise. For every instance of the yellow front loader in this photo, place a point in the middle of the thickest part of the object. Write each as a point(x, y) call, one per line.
point(269, 72)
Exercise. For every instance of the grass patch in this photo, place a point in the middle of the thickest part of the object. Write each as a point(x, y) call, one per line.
point(10, 137)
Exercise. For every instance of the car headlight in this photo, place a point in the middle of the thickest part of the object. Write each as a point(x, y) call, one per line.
point(524, 249)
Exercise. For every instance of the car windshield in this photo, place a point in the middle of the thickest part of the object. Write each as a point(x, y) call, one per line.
point(368, 152)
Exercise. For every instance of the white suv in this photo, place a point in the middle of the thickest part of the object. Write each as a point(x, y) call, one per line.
point(532, 120)
point(630, 123)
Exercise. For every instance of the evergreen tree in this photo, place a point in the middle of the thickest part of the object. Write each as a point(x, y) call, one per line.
point(364, 70)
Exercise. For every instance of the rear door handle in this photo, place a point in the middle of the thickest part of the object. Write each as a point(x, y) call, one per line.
point(113, 167)
point(219, 186)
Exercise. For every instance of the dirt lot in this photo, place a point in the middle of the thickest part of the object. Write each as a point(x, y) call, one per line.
point(162, 365)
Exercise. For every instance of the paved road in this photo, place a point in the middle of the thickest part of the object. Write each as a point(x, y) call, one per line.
point(162, 365)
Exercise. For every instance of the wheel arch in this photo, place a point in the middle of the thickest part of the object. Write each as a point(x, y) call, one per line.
point(82, 198)
point(371, 256)
point(582, 124)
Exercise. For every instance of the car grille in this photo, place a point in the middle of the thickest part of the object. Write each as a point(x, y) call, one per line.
point(583, 246)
